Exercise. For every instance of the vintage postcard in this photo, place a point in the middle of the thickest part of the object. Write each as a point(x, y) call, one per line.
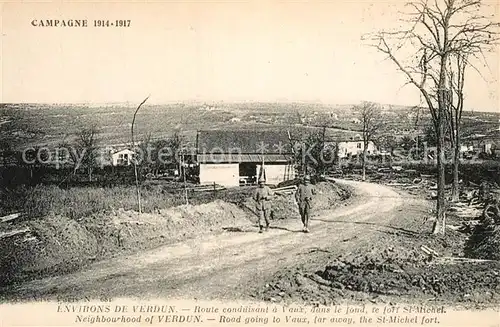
point(225, 163)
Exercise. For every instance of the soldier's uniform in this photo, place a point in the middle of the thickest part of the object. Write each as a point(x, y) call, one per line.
point(304, 196)
point(262, 197)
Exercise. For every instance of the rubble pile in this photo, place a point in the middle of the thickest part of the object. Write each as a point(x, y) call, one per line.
point(371, 277)
point(398, 277)
point(484, 242)
point(407, 179)
point(294, 285)
point(484, 222)
point(422, 267)
point(423, 185)
point(463, 217)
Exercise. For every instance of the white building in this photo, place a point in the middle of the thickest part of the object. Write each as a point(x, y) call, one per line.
point(232, 158)
point(122, 158)
point(466, 148)
point(350, 148)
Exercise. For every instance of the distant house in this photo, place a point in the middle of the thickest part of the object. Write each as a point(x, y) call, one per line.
point(486, 143)
point(354, 147)
point(122, 158)
point(232, 158)
point(334, 116)
point(466, 148)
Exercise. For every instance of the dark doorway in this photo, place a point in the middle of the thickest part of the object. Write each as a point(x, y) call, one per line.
point(248, 173)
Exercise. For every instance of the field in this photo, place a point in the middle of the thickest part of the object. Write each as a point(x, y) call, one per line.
point(29, 124)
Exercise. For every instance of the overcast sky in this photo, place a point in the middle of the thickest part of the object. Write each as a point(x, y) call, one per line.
point(211, 51)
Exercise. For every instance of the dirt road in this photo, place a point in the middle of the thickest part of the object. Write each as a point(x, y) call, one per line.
point(228, 265)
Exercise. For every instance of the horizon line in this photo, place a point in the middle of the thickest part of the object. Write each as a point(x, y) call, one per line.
point(209, 102)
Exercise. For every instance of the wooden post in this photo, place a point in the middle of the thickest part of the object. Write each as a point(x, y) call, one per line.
point(184, 178)
point(135, 159)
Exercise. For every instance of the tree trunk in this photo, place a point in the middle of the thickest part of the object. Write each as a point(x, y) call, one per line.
point(90, 174)
point(364, 163)
point(440, 223)
point(456, 163)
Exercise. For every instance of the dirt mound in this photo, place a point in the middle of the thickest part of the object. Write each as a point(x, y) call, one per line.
point(125, 230)
point(386, 276)
point(55, 241)
point(370, 277)
point(61, 244)
point(297, 286)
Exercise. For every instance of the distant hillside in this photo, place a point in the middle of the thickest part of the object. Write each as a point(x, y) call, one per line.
point(50, 124)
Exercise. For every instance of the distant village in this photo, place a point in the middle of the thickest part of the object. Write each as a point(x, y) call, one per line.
point(231, 156)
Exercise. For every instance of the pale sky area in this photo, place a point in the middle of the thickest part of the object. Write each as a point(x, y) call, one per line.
point(211, 51)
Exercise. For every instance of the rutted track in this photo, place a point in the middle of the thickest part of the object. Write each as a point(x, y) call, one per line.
point(223, 266)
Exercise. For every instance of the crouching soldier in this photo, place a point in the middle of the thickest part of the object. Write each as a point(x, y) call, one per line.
point(262, 197)
point(304, 196)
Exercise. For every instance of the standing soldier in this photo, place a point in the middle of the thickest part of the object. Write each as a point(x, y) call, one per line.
point(262, 197)
point(303, 196)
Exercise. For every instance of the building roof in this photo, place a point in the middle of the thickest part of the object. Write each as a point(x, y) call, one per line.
point(239, 158)
point(243, 142)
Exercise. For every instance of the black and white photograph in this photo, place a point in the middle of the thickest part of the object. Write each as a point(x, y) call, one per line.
point(207, 163)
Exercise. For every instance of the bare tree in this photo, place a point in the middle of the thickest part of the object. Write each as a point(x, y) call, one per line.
point(312, 154)
point(438, 32)
point(177, 155)
point(387, 142)
point(369, 115)
point(175, 145)
point(455, 108)
point(86, 145)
